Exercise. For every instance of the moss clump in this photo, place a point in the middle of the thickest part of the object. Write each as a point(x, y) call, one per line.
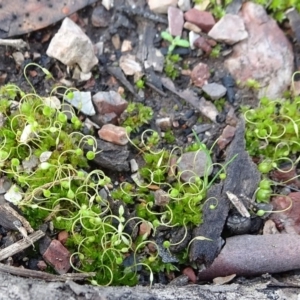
point(135, 116)
point(42, 152)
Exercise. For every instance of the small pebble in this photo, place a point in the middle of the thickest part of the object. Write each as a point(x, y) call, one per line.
point(100, 17)
point(133, 166)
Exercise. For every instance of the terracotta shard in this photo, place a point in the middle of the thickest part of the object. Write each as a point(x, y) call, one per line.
point(22, 16)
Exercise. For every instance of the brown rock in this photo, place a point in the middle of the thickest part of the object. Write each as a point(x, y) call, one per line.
point(226, 136)
point(114, 134)
point(231, 118)
point(58, 257)
point(250, 255)
point(190, 273)
point(175, 19)
point(145, 229)
point(152, 247)
point(202, 44)
point(109, 102)
point(202, 19)
point(63, 236)
point(266, 55)
point(200, 74)
point(42, 265)
point(211, 42)
point(288, 220)
point(287, 174)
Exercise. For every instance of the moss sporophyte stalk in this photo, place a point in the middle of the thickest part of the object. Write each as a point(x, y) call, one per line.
point(272, 138)
point(45, 155)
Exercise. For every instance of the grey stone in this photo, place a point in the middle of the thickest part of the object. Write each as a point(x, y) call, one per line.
point(214, 90)
point(100, 17)
point(30, 163)
point(18, 57)
point(5, 184)
point(134, 167)
point(184, 5)
point(161, 198)
point(196, 163)
point(164, 253)
point(112, 157)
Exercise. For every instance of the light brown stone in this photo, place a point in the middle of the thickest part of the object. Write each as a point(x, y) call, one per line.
point(63, 236)
point(161, 6)
point(200, 74)
point(226, 136)
point(191, 27)
point(114, 134)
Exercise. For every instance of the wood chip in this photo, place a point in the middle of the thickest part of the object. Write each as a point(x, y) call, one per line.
point(8, 216)
point(223, 280)
point(44, 276)
point(20, 245)
point(238, 204)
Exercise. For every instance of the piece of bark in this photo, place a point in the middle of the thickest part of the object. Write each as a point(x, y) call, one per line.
point(21, 245)
point(44, 276)
point(294, 20)
point(141, 13)
point(206, 108)
point(8, 217)
point(146, 53)
point(242, 177)
point(119, 75)
point(249, 255)
point(18, 17)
